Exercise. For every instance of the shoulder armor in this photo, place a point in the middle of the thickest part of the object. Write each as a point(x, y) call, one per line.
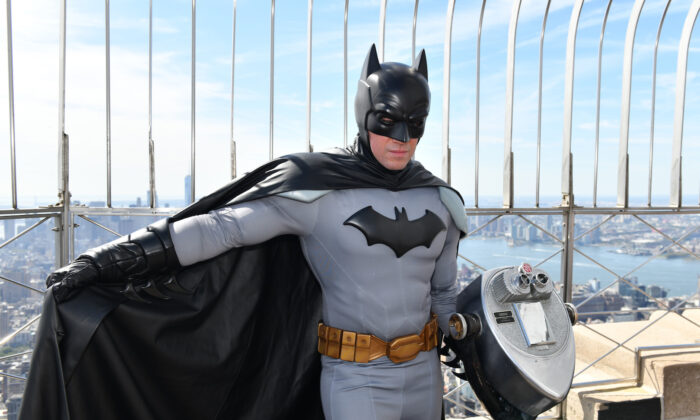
point(305, 196)
point(455, 206)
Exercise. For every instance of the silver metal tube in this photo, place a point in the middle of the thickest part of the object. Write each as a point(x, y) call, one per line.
point(233, 68)
point(11, 356)
point(539, 106)
point(678, 114)
point(108, 106)
point(22, 233)
point(11, 98)
point(65, 228)
point(446, 94)
point(9, 375)
point(33, 289)
point(413, 32)
point(151, 143)
point(566, 181)
point(623, 156)
point(345, 76)
point(382, 27)
point(477, 105)
point(113, 232)
point(508, 135)
point(12, 335)
point(192, 105)
point(653, 102)
point(597, 105)
point(309, 47)
point(272, 76)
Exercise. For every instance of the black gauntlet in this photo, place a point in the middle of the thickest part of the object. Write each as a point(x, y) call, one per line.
point(131, 260)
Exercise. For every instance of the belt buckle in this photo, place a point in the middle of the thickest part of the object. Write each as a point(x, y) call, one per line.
point(403, 349)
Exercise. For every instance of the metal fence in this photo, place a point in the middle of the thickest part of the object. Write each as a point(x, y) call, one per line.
point(562, 225)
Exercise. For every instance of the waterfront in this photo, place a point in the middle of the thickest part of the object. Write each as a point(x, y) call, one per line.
point(679, 276)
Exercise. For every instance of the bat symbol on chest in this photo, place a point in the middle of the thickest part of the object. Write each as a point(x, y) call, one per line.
point(400, 234)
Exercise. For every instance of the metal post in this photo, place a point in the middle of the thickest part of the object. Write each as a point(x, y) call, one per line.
point(413, 32)
point(233, 67)
point(477, 105)
point(653, 102)
point(11, 98)
point(539, 106)
point(446, 94)
point(597, 107)
point(382, 26)
point(308, 77)
point(65, 229)
point(272, 75)
point(566, 169)
point(151, 143)
point(623, 157)
point(192, 106)
point(678, 114)
point(345, 76)
point(508, 135)
point(108, 106)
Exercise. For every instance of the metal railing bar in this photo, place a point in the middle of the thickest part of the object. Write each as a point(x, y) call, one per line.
point(623, 158)
point(72, 235)
point(345, 75)
point(233, 68)
point(595, 227)
point(151, 143)
point(131, 211)
point(446, 93)
point(539, 105)
point(413, 32)
point(597, 104)
point(628, 339)
point(309, 148)
point(566, 181)
point(620, 312)
point(9, 375)
point(588, 327)
point(193, 94)
point(34, 289)
point(11, 99)
point(653, 101)
point(603, 382)
point(382, 28)
point(678, 114)
point(272, 77)
point(540, 228)
point(472, 262)
point(11, 356)
point(455, 389)
point(63, 162)
point(12, 335)
point(492, 211)
point(504, 212)
point(24, 232)
point(559, 251)
point(477, 104)
point(28, 213)
point(508, 134)
point(666, 236)
point(484, 225)
point(108, 106)
point(115, 233)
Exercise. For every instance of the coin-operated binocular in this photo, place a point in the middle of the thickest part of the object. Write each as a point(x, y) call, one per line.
point(512, 336)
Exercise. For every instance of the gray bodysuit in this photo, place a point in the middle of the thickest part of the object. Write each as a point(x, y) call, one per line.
point(367, 289)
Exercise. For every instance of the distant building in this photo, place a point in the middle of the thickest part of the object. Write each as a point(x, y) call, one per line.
point(9, 228)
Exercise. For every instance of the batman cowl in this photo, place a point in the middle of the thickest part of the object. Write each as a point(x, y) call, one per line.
point(392, 100)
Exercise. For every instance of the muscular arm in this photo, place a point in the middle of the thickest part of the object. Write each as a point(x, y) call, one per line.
point(202, 237)
point(443, 289)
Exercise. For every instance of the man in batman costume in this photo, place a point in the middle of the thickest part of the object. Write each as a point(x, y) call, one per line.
point(364, 239)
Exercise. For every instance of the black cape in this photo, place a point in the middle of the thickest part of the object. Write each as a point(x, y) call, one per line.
point(241, 346)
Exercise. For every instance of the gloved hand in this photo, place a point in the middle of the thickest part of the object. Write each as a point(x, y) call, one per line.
point(66, 281)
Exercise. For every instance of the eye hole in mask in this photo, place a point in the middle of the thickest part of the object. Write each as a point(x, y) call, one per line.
point(386, 119)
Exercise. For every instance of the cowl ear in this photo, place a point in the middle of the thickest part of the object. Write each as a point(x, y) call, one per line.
point(421, 64)
point(371, 63)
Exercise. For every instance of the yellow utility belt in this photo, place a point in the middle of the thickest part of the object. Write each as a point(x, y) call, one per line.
point(354, 347)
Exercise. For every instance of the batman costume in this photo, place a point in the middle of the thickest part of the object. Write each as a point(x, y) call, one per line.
point(333, 236)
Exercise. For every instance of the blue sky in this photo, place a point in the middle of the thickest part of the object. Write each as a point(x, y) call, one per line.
point(35, 42)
